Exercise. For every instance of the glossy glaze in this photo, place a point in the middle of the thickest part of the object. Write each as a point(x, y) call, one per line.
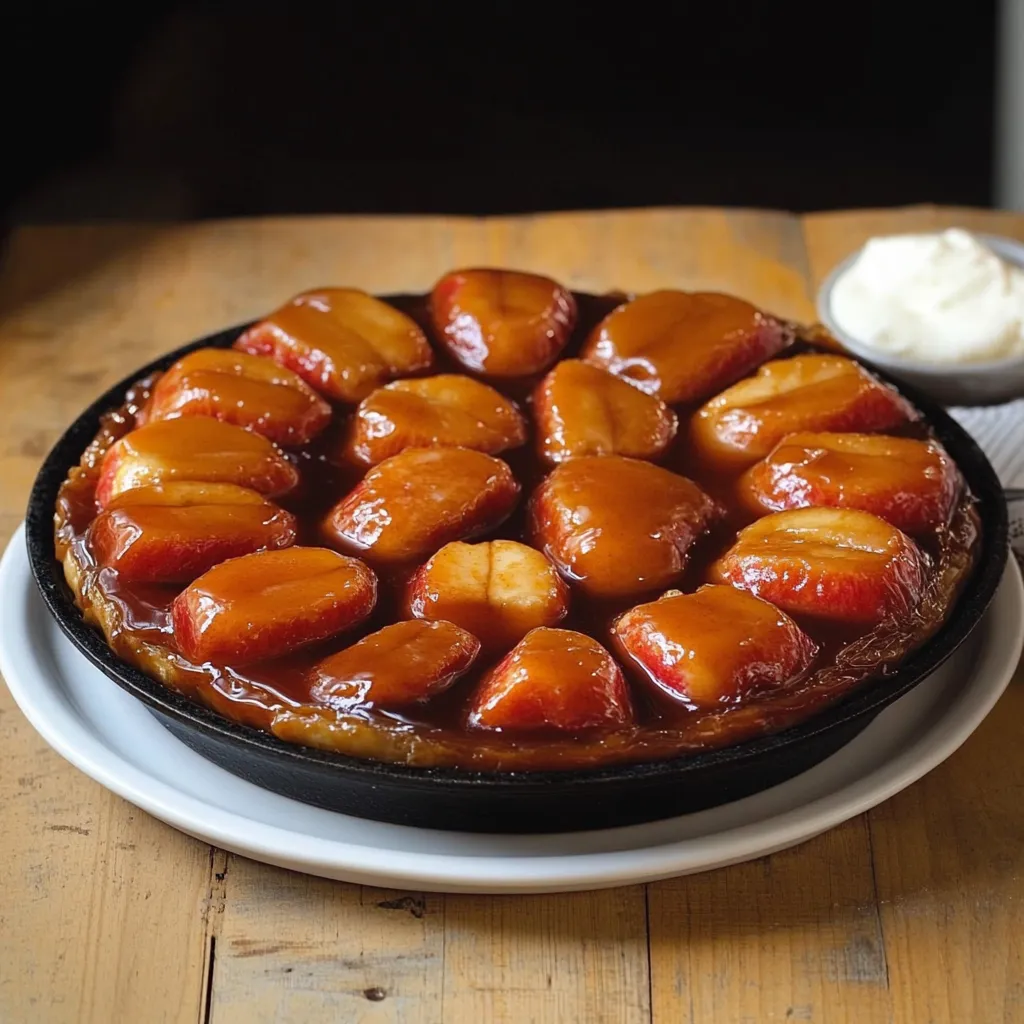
point(498, 590)
point(341, 341)
point(910, 483)
point(502, 323)
point(684, 346)
point(555, 681)
point(716, 646)
point(242, 389)
point(807, 392)
point(174, 532)
point(269, 603)
point(618, 527)
point(446, 410)
point(828, 563)
point(401, 664)
point(194, 448)
point(281, 695)
point(582, 409)
point(407, 507)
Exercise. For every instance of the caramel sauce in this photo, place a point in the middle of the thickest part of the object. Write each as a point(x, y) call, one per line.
point(277, 696)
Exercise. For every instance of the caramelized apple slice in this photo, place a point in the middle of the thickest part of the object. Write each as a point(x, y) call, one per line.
point(829, 563)
point(499, 590)
point(583, 410)
point(616, 526)
point(404, 663)
point(911, 484)
point(812, 392)
point(194, 448)
point(502, 323)
point(174, 532)
point(408, 506)
point(341, 341)
point(268, 604)
point(241, 389)
point(717, 646)
point(684, 346)
point(445, 411)
point(553, 680)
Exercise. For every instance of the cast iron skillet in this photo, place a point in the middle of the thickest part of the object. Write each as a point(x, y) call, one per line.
point(517, 801)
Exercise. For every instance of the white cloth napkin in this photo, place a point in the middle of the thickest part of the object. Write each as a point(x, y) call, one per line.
point(999, 431)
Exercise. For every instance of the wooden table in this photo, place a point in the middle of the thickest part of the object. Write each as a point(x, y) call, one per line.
point(913, 912)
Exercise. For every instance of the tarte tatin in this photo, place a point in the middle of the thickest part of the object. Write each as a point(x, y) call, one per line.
point(505, 526)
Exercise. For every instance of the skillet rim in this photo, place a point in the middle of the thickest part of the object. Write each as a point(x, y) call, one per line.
point(868, 698)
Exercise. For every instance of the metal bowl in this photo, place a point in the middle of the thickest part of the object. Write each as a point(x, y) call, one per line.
point(513, 801)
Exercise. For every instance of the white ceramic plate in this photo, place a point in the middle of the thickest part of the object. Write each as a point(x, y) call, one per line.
point(111, 737)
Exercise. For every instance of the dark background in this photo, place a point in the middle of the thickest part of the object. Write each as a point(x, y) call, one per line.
point(213, 110)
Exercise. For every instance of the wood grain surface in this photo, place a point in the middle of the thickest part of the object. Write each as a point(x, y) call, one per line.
point(913, 912)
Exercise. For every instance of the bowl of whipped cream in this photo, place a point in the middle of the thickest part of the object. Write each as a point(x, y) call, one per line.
point(942, 311)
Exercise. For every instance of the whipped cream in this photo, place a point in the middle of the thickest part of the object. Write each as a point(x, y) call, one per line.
point(940, 298)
